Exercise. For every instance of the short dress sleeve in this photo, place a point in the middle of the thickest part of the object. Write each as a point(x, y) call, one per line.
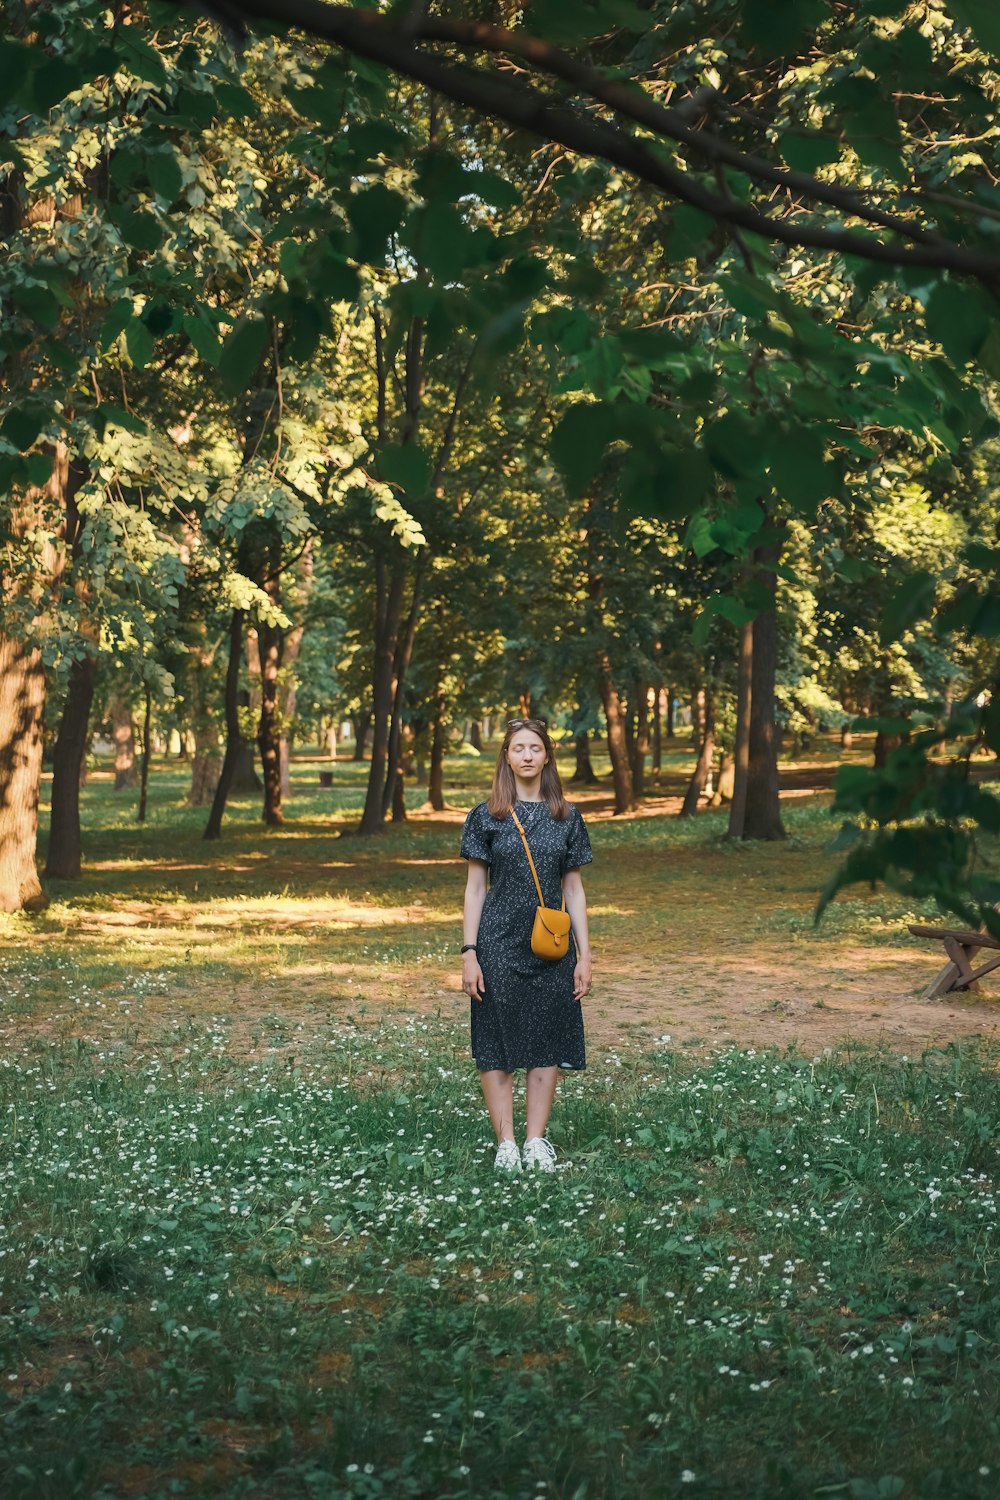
point(578, 850)
point(477, 835)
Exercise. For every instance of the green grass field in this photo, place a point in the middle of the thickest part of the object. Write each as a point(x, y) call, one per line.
point(252, 1243)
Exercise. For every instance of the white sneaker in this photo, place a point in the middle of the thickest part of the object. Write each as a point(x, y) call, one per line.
point(539, 1154)
point(508, 1158)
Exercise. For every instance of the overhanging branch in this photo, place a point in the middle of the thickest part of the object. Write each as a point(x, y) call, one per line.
point(394, 45)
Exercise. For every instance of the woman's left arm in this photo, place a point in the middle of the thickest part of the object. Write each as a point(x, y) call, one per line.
point(576, 905)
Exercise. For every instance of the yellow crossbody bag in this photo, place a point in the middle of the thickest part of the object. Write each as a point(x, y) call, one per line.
point(550, 933)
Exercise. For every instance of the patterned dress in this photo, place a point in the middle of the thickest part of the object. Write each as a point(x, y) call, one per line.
point(528, 1017)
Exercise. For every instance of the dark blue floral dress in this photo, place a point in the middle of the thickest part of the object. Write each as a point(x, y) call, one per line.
point(528, 1017)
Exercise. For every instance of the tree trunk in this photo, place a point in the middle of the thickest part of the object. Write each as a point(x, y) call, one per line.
point(621, 769)
point(435, 786)
point(204, 765)
point(269, 644)
point(762, 818)
point(656, 764)
point(706, 754)
point(360, 723)
point(724, 786)
point(65, 845)
point(388, 609)
point(670, 727)
point(885, 744)
point(697, 707)
point(584, 773)
point(435, 789)
point(124, 733)
point(846, 737)
point(22, 705)
point(234, 737)
point(741, 749)
point(402, 657)
point(476, 735)
point(146, 747)
point(640, 748)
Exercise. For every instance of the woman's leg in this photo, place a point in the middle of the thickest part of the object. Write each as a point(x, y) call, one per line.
point(541, 1090)
point(498, 1091)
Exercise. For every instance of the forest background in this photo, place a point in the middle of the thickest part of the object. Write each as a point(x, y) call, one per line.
point(415, 366)
point(633, 353)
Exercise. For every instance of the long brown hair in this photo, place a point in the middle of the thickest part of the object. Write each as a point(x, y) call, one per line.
point(503, 793)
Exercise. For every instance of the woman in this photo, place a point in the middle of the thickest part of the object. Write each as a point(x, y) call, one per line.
point(525, 1010)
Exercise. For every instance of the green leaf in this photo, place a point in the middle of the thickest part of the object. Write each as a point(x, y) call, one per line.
point(580, 441)
point(140, 343)
point(669, 483)
point(913, 599)
point(38, 468)
point(775, 29)
point(37, 303)
point(115, 322)
point(982, 18)
point(955, 319)
point(736, 446)
point(108, 415)
point(22, 424)
point(164, 173)
point(809, 153)
point(568, 21)
point(799, 470)
point(442, 242)
point(140, 230)
point(241, 354)
point(204, 337)
point(375, 214)
point(50, 83)
point(406, 465)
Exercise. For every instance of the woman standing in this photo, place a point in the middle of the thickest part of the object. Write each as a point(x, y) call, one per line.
point(526, 1010)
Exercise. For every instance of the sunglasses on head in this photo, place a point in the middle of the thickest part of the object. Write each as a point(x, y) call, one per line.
point(527, 723)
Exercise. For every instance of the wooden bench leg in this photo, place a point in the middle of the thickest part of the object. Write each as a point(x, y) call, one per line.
point(944, 982)
point(959, 955)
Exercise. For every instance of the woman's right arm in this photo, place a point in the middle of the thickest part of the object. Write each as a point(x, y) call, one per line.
point(475, 894)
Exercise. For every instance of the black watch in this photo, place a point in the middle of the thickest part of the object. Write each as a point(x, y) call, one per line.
point(469, 948)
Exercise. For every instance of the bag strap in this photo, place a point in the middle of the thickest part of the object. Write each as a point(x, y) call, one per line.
point(531, 862)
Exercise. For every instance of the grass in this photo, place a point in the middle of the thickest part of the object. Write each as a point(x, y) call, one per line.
point(760, 1275)
point(252, 1243)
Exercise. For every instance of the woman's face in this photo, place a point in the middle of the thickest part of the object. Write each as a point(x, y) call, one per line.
point(526, 754)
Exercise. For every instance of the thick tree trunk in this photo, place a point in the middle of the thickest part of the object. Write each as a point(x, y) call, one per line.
point(706, 754)
point(762, 818)
point(741, 749)
point(584, 773)
point(124, 734)
point(476, 735)
point(147, 730)
point(22, 705)
point(670, 714)
point(65, 844)
point(621, 769)
point(697, 708)
point(234, 736)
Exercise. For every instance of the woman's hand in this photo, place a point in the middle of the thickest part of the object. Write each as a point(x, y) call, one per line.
point(473, 982)
point(582, 979)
